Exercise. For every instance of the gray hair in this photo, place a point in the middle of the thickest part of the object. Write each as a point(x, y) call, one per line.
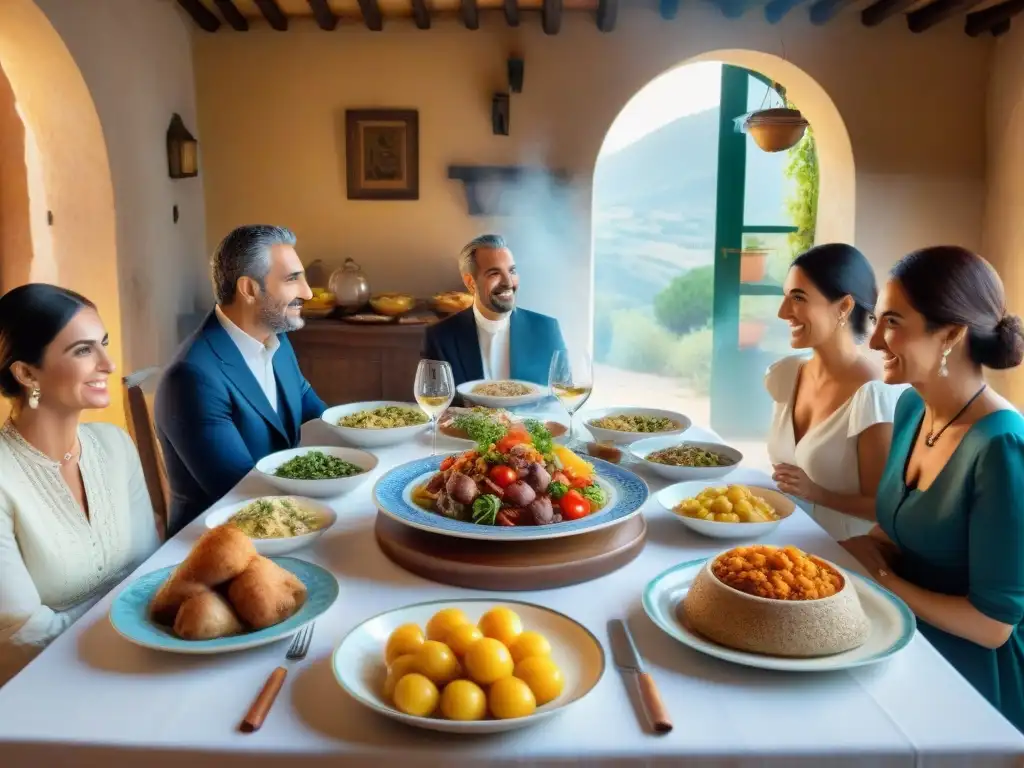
point(245, 252)
point(467, 256)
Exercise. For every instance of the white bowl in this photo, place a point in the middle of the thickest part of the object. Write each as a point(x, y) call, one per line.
point(641, 449)
point(273, 547)
point(625, 438)
point(372, 438)
point(489, 401)
point(674, 494)
point(358, 662)
point(319, 488)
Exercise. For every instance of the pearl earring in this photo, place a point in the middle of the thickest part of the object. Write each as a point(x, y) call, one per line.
point(33, 398)
point(943, 368)
point(842, 321)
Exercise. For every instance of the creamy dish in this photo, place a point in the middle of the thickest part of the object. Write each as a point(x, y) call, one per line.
point(385, 417)
point(502, 389)
point(275, 519)
point(688, 456)
point(636, 423)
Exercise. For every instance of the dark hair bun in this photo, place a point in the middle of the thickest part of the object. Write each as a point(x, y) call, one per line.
point(1007, 347)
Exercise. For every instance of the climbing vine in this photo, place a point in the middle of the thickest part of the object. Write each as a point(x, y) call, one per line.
point(803, 206)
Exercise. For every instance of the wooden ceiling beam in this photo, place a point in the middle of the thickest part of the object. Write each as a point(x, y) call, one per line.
point(878, 12)
point(823, 11)
point(551, 16)
point(272, 13)
point(469, 13)
point(607, 14)
point(201, 15)
point(421, 14)
point(512, 13)
point(1001, 28)
point(776, 10)
point(668, 9)
point(927, 17)
point(987, 19)
point(371, 15)
point(232, 15)
point(326, 19)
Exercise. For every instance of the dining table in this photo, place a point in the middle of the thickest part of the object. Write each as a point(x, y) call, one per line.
point(94, 699)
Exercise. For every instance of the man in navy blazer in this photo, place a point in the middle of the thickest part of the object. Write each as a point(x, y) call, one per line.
point(234, 393)
point(493, 339)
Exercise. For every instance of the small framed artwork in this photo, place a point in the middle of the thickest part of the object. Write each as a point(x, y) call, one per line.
point(382, 154)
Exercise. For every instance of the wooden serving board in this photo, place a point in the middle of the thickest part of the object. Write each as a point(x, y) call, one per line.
point(514, 565)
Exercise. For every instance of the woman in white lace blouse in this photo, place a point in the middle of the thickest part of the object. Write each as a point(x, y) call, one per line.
point(832, 423)
point(75, 515)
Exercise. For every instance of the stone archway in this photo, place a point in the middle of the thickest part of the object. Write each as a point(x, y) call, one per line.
point(71, 199)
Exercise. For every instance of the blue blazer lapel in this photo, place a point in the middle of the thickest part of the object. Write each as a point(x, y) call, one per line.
point(519, 363)
point(289, 388)
point(468, 346)
point(238, 372)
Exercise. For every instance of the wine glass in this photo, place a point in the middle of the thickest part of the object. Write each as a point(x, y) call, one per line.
point(571, 378)
point(434, 390)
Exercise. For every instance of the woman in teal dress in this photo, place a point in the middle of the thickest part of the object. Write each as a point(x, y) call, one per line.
point(950, 534)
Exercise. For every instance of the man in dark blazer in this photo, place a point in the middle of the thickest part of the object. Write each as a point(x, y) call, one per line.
point(234, 393)
point(493, 339)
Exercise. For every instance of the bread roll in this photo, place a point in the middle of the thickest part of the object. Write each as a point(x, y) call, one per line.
point(205, 616)
point(266, 594)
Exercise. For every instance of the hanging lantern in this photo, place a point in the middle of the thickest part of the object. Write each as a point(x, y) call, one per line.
point(182, 150)
point(774, 130)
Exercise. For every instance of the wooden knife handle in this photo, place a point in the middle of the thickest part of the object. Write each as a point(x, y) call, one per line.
point(651, 699)
point(261, 707)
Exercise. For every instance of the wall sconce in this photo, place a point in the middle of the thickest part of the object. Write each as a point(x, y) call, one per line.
point(515, 74)
point(182, 150)
point(500, 114)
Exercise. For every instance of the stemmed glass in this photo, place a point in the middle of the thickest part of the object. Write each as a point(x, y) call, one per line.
point(571, 378)
point(434, 390)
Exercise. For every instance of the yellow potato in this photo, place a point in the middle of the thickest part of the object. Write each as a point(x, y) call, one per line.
point(443, 622)
point(437, 663)
point(401, 667)
point(405, 639)
point(529, 644)
point(463, 700)
point(721, 506)
point(727, 517)
point(463, 636)
point(543, 677)
point(416, 695)
point(737, 493)
point(502, 624)
point(488, 660)
point(511, 697)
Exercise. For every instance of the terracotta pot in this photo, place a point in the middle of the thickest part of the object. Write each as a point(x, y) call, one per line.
point(751, 333)
point(753, 266)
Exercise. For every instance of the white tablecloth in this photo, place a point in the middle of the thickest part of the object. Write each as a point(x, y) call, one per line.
point(92, 698)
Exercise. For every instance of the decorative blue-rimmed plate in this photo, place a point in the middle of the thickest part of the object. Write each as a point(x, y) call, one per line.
point(129, 613)
point(627, 493)
point(892, 624)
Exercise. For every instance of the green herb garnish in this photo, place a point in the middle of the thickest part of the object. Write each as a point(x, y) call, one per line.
point(557, 490)
point(485, 509)
point(540, 436)
point(316, 465)
point(482, 430)
point(596, 494)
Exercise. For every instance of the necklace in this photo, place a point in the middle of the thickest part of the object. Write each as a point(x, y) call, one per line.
point(931, 438)
point(12, 430)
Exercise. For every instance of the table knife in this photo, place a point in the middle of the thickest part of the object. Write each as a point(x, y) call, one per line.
point(627, 659)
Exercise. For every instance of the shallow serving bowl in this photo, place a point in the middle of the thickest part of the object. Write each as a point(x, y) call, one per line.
point(641, 449)
point(372, 438)
point(625, 438)
point(536, 393)
point(670, 497)
point(279, 546)
point(358, 662)
point(793, 628)
point(319, 488)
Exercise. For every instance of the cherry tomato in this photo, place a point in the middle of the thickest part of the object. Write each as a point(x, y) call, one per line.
point(581, 482)
point(447, 463)
point(502, 476)
point(574, 506)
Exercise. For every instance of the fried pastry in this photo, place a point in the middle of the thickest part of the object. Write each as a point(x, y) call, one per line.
point(265, 593)
point(170, 597)
point(220, 555)
point(205, 616)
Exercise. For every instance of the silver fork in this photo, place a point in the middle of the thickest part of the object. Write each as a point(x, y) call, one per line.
point(261, 707)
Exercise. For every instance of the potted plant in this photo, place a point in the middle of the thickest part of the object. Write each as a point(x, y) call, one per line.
point(753, 265)
point(751, 333)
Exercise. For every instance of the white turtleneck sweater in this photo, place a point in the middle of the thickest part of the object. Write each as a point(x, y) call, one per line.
point(493, 336)
point(55, 563)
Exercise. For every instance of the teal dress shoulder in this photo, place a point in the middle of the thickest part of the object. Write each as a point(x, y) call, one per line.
point(964, 536)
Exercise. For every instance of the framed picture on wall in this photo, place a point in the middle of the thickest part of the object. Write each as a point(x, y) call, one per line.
point(382, 154)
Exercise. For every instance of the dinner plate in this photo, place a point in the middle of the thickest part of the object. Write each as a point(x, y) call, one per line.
point(627, 493)
point(892, 625)
point(129, 613)
point(537, 393)
point(358, 663)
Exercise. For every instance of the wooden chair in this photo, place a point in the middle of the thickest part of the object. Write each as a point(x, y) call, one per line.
point(139, 392)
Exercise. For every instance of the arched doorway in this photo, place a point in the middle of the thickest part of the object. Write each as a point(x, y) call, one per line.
point(70, 203)
point(688, 266)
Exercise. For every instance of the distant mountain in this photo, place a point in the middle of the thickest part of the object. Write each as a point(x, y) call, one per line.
point(654, 207)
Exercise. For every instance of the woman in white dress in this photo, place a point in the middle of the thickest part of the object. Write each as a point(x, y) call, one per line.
point(832, 422)
point(75, 515)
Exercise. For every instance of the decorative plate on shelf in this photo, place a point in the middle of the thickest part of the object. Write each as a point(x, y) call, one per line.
point(366, 318)
point(627, 493)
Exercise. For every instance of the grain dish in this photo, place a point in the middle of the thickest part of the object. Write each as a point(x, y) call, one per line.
point(385, 417)
point(686, 455)
point(503, 389)
point(638, 423)
point(275, 518)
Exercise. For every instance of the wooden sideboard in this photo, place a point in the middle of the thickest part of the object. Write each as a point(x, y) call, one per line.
point(348, 363)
